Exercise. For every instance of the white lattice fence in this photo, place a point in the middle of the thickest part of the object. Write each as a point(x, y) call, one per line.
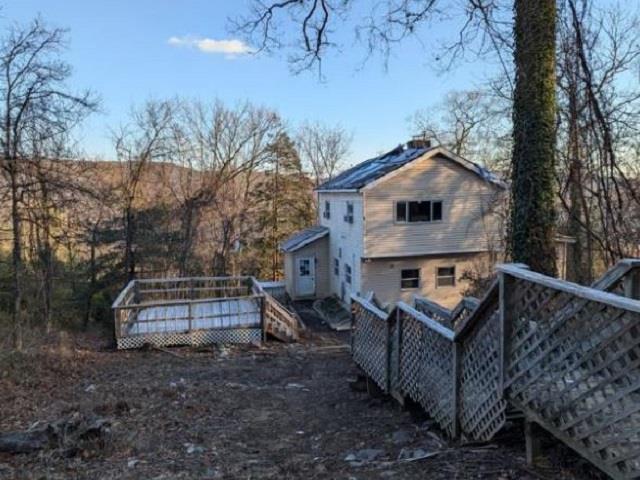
point(370, 340)
point(572, 364)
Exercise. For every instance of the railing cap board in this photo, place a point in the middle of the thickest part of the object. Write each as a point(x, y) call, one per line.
point(580, 291)
point(445, 312)
point(427, 321)
point(370, 307)
point(188, 279)
point(116, 303)
point(173, 303)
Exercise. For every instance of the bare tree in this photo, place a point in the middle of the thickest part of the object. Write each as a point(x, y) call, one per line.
point(138, 144)
point(37, 108)
point(474, 124)
point(322, 149)
point(217, 147)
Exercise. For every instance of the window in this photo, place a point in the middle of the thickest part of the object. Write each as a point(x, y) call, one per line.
point(347, 273)
point(419, 211)
point(339, 252)
point(446, 277)
point(327, 210)
point(336, 266)
point(349, 215)
point(410, 278)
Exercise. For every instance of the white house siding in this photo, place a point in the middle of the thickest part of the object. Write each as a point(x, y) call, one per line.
point(344, 237)
point(319, 250)
point(382, 276)
point(466, 226)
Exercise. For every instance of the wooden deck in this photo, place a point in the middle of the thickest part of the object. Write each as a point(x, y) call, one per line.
point(565, 355)
point(201, 310)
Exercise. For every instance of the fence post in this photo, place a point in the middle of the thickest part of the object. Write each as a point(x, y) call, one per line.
point(263, 320)
point(457, 371)
point(190, 315)
point(631, 284)
point(506, 323)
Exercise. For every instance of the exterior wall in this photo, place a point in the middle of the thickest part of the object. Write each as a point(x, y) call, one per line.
point(382, 276)
point(320, 251)
point(345, 240)
point(467, 225)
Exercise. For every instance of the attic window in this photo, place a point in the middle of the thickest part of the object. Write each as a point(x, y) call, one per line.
point(419, 211)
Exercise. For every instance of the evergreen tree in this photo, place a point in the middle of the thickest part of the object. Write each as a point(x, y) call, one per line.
point(286, 203)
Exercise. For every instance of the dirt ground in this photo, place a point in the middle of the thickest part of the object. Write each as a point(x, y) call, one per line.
point(277, 411)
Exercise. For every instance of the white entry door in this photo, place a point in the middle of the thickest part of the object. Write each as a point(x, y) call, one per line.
point(306, 281)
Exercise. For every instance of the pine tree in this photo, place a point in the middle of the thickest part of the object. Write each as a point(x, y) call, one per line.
point(286, 203)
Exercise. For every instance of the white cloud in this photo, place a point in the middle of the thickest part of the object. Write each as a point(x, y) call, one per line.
point(231, 48)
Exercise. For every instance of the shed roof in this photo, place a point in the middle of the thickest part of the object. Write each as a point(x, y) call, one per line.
point(303, 237)
point(376, 168)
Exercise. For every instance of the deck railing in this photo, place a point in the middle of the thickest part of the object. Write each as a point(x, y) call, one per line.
point(572, 364)
point(568, 356)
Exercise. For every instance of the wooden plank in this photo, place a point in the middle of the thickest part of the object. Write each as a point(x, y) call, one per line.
point(427, 321)
point(580, 291)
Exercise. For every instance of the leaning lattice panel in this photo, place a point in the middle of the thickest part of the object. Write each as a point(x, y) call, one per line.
point(573, 365)
point(437, 380)
point(482, 408)
point(371, 341)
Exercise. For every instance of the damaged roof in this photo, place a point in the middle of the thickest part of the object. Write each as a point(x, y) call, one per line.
point(376, 168)
point(303, 237)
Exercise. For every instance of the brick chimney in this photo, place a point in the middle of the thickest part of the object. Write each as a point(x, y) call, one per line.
point(419, 141)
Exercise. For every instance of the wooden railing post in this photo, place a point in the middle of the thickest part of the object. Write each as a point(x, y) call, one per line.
point(190, 314)
point(507, 315)
point(631, 284)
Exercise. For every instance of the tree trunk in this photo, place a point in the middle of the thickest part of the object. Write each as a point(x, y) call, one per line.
point(534, 136)
point(16, 259)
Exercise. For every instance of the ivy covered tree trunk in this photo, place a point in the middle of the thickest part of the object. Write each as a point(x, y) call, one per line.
point(534, 136)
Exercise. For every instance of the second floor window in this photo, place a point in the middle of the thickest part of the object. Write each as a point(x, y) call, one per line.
point(348, 217)
point(336, 267)
point(347, 273)
point(327, 210)
point(418, 211)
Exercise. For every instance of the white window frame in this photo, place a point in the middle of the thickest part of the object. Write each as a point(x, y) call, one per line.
point(347, 273)
point(410, 279)
point(407, 202)
point(348, 216)
point(327, 210)
point(438, 276)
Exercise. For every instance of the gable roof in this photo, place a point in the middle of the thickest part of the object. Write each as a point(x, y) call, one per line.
point(374, 169)
point(303, 237)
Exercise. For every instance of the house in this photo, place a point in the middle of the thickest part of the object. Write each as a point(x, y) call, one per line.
point(411, 221)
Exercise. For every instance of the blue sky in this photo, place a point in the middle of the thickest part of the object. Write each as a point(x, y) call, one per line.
point(122, 50)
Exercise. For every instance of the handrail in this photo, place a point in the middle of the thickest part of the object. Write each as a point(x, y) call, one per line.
point(173, 303)
point(439, 309)
point(370, 306)
point(122, 294)
point(427, 321)
point(188, 279)
point(579, 291)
